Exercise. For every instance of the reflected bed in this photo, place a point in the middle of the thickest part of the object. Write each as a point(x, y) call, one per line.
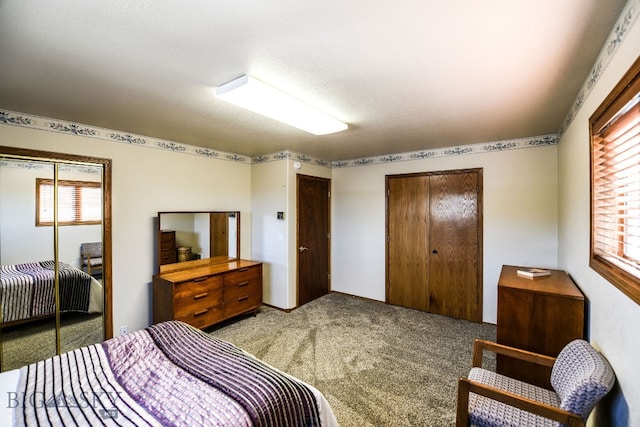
point(27, 291)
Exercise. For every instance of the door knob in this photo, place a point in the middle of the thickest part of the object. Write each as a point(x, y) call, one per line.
point(303, 248)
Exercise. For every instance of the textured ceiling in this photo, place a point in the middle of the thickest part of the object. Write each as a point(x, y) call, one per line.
point(406, 75)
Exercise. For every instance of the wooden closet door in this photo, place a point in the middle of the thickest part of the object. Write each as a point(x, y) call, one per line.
point(453, 244)
point(434, 240)
point(408, 231)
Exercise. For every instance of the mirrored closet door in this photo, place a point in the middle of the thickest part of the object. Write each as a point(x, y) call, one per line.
point(55, 254)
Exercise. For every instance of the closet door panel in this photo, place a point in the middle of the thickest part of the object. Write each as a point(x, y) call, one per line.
point(78, 201)
point(453, 242)
point(27, 300)
point(407, 242)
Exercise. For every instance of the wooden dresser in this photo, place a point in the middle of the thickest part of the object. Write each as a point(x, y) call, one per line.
point(540, 315)
point(207, 293)
point(167, 247)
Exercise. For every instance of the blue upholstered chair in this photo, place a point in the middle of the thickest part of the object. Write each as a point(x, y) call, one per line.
point(91, 255)
point(580, 376)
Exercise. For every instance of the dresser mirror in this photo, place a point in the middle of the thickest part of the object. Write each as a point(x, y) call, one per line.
point(197, 237)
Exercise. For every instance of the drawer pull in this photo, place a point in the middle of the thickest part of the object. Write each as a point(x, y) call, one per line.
point(201, 312)
point(200, 279)
point(246, 297)
point(202, 295)
point(240, 285)
point(242, 270)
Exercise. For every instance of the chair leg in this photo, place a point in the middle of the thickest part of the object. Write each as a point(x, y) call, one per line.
point(462, 409)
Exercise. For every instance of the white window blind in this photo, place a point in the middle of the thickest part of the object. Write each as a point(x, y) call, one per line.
point(79, 202)
point(615, 185)
point(616, 189)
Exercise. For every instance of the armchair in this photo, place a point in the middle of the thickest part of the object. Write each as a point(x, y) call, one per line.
point(91, 255)
point(580, 377)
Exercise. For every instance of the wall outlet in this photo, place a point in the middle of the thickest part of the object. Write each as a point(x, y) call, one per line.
point(123, 330)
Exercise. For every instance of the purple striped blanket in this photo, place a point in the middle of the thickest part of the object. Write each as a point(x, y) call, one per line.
point(27, 290)
point(167, 374)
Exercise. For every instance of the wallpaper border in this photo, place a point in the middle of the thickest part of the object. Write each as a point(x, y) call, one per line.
point(625, 22)
point(61, 126)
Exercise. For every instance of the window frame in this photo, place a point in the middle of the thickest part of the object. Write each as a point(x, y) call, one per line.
point(626, 90)
point(66, 183)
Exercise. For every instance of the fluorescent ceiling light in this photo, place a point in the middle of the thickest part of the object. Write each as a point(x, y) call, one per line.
point(260, 98)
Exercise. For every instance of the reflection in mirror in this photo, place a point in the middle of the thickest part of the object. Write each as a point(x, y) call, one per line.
point(21, 245)
point(189, 236)
point(31, 329)
point(80, 321)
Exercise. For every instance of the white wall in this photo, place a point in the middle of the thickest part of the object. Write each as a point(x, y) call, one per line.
point(519, 217)
point(614, 319)
point(270, 236)
point(274, 189)
point(146, 181)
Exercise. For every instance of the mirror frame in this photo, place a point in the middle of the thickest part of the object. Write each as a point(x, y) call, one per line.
point(166, 268)
point(106, 218)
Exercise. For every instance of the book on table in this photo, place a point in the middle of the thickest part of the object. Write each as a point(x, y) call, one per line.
point(533, 273)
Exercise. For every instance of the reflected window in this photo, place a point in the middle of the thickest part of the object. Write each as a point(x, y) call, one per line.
point(79, 202)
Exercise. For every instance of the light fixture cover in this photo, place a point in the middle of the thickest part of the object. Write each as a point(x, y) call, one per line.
point(252, 94)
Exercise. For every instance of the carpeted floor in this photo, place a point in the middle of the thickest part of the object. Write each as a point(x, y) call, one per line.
point(377, 364)
point(31, 342)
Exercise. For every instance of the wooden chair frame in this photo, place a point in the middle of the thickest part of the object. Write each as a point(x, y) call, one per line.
point(90, 268)
point(466, 386)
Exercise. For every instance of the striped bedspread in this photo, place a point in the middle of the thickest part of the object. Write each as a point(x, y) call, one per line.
point(167, 374)
point(27, 290)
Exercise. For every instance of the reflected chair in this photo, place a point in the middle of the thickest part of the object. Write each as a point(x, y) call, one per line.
point(580, 377)
point(91, 254)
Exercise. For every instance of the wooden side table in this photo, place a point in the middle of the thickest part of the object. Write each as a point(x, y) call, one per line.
point(540, 315)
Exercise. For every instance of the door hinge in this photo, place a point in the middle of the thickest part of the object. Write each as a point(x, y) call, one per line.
point(329, 276)
point(328, 235)
point(329, 194)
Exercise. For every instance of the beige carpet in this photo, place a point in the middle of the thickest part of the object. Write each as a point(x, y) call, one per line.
point(377, 364)
point(31, 342)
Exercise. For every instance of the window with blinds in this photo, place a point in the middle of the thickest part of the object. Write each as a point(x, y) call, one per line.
point(79, 202)
point(615, 186)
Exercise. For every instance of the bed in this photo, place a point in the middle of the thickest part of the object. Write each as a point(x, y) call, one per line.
point(27, 291)
point(167, 374)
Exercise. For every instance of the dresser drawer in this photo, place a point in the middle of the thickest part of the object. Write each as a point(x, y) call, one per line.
point(168, 237)
point(202, 317)
point(198, 302)
point(168, 257)
point(197, 286)
point(242, 275)
point(243, 297)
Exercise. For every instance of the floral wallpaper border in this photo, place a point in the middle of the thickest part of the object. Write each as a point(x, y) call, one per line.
point(488, 147)
point(620, 30)
point(36, 122)
point(43, 123)
point(48, 166)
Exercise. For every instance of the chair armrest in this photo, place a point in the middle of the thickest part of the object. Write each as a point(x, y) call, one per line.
point(516, 353)
point(466, 386)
